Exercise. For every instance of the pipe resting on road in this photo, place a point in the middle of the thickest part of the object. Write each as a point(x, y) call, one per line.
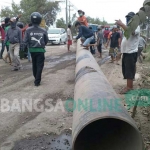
point(100, 121)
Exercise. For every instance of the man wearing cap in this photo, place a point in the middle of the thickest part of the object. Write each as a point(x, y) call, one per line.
point(115, 42)
point(82, 19)
point(129, 49)
point(14, 36)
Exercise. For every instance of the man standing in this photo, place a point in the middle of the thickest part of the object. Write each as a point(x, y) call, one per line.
point(14, 36)
point(36, 38)
point(84, 32)
point(69, 34)
point(99, 40)
point(142, 45)
point(115, 42)
point(82, 19)
point(106, 33)
point(129, 48)
point(118, 57)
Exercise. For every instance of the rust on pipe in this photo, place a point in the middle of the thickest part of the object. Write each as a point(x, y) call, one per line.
point(100, 121)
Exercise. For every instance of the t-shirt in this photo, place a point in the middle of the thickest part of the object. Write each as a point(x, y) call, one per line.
point(114, 40)
point(69, 33)
point(131, 45)
point(84, 21)
point(106, 33)
point(142, 42)
point(100, 36)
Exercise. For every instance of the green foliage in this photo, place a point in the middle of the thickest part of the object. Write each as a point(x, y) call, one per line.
point(147, 50)
point(26, 7)
point(61, 23)
point(139, 18)
point(96, 21)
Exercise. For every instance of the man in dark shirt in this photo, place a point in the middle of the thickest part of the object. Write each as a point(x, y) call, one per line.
point(115, 42)
point(14, 36)
point(85, 32)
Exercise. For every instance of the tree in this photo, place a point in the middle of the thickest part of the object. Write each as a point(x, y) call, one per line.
point(61, 23)
point(96, 21)
point(139, 18)
point(26, 7)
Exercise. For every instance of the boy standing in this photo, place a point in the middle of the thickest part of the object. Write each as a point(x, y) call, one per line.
point(69, 34)
point(36, 38)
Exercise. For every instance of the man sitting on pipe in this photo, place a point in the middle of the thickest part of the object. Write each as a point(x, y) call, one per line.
point(85, 32)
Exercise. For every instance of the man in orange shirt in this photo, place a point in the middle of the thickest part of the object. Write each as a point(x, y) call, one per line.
point(82, 19)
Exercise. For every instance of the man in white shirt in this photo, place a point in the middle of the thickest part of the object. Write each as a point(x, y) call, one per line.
point(69, 34)
point(129, 49)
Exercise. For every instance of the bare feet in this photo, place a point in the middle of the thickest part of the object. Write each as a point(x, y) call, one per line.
point(125, 90)
point(5, 60)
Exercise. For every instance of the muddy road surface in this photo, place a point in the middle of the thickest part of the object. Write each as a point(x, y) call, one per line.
point(45, 115)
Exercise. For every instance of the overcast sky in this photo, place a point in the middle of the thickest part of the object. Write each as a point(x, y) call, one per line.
point(107, 9)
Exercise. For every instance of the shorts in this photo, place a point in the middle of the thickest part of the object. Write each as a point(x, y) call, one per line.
point(88, 41)
point(99, 47)
point(129, 65)
point(69, 42)
point(113, 51)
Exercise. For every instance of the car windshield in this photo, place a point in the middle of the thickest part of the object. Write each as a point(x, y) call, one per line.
point(53, 31)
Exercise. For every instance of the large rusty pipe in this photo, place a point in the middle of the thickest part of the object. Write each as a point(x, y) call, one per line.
point(102, 123)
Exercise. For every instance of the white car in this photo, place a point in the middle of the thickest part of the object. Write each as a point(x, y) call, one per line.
point(57, 35)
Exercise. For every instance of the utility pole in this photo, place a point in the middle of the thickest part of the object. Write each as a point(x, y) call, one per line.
point(69, 11)
point(66, 14)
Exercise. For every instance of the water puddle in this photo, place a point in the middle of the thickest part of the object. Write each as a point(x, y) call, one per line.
point(46, 142)
point(53, 61)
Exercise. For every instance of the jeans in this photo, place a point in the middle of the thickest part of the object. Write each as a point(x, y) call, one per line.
point(29, 55)
point(88, 41)
point(37, 65)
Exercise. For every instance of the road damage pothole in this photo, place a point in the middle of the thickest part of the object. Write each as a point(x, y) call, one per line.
point(46, 142)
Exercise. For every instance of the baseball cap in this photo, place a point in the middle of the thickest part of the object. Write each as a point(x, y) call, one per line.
point(99, 27)
point(130, 14)
point(80, 11)
point(13, 19)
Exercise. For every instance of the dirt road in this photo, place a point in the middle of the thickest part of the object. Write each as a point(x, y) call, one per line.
point(57, 84)
point(30, 130)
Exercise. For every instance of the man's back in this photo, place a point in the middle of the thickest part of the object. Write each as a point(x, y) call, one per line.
point(85, 32)
point(36, 37)
point(100, 36)
point(106, 33)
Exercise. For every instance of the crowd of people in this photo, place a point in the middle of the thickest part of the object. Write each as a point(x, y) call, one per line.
point(17, 38)
point(130, 49)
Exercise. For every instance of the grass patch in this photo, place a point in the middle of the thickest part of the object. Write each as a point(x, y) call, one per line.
point(147, 50)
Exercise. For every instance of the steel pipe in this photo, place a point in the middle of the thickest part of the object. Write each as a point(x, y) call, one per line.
point(100, 121)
